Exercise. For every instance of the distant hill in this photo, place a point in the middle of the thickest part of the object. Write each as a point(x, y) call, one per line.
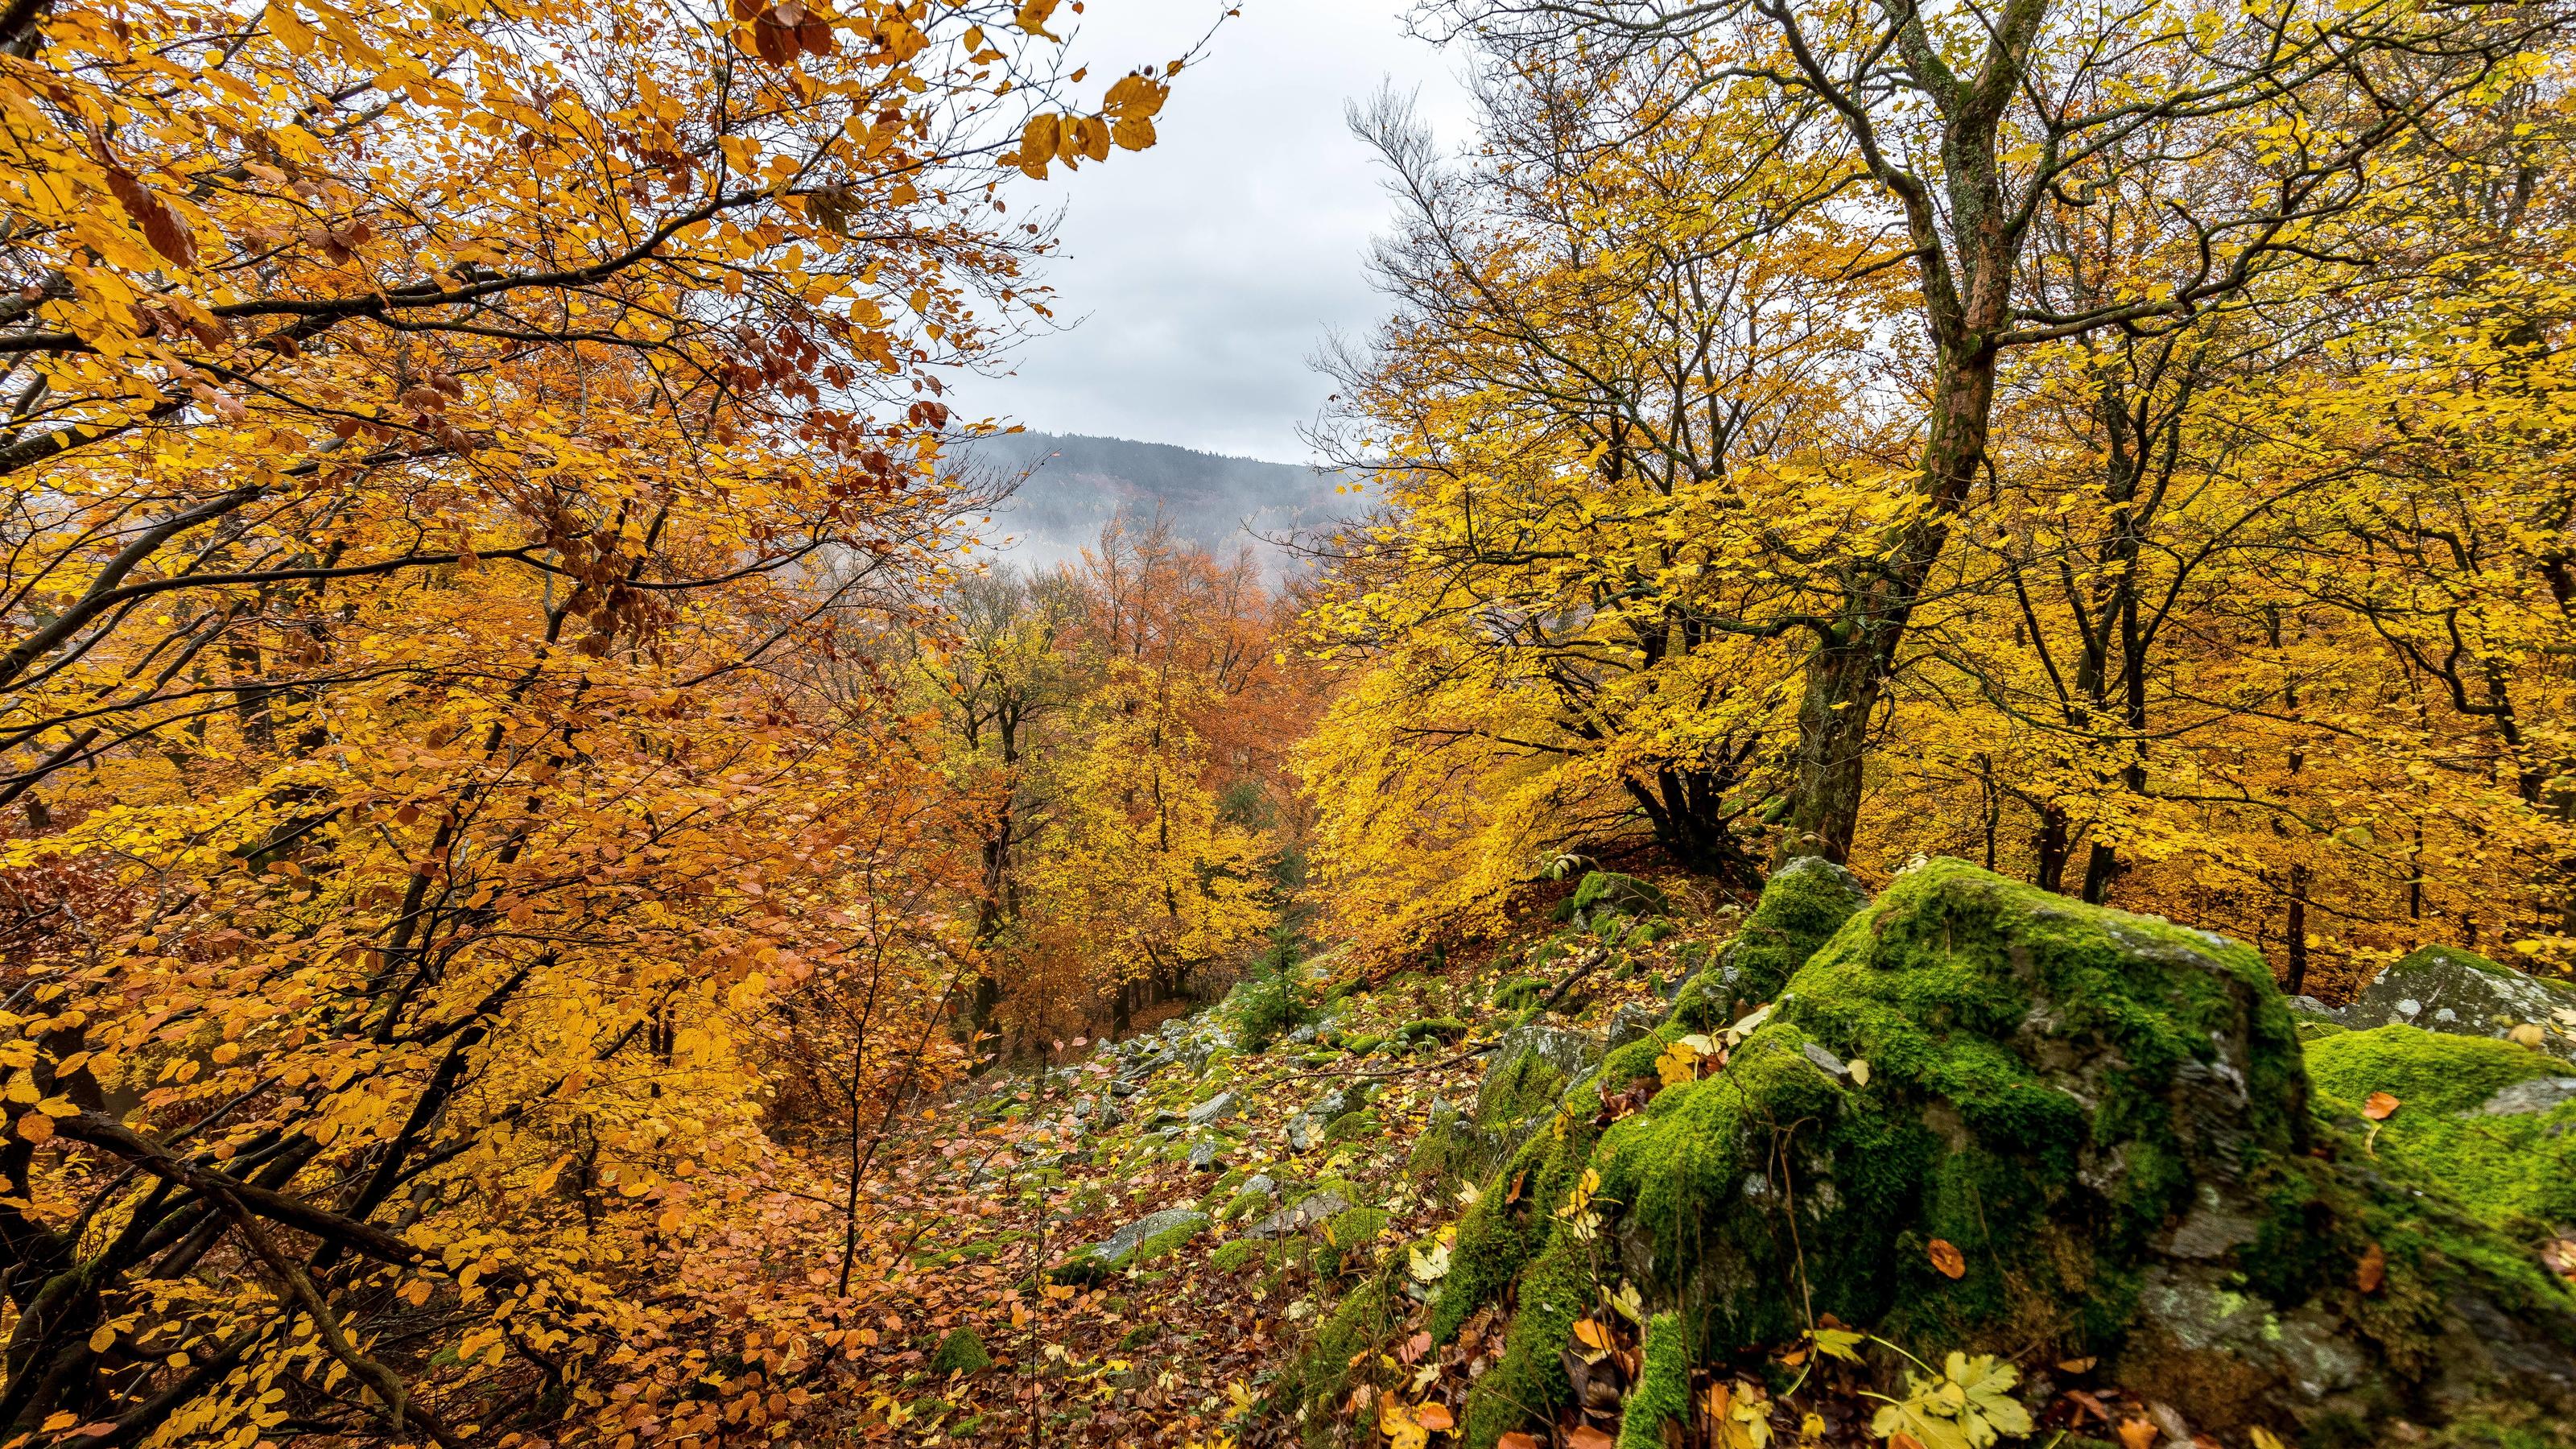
point(1076, 484)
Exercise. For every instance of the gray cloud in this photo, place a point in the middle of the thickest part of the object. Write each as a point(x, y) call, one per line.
point(1207, 270)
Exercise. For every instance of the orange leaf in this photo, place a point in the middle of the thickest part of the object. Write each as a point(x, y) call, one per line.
point(1588, 1437)
point(1590, 1333)
point(2372, 1270)
point(36, 1127)
point(1516, 1440)
point(2138, 1433)
point(1946, 1257)
point(1434, 1417)
point(1902, 1440)
point(2380, 1107)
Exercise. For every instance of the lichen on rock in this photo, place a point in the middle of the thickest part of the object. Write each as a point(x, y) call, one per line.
point(2447, 989)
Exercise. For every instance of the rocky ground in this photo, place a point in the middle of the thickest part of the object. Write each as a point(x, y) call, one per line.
point(1969, 1164)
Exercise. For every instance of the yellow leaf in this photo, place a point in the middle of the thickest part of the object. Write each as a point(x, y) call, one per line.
point(289, 28)
point(1032, 17)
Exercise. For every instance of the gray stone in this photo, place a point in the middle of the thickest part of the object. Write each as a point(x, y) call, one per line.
point(2541, 1094)
point(1260, 1182)
point(1115, 1252)
point(1207, 1154)
point(1633, 1022)
point(2309, 1006)
point(1214, 1109)
point(1304, 1132)
point(1827, 1063)
point(2443, 988)
point(1307, 1211)
point(2206, 1314)
point(1571, 1053)
point(1303, 1035)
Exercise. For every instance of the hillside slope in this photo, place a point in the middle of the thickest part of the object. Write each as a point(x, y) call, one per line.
point(1076, 484)
point(1614, 1182)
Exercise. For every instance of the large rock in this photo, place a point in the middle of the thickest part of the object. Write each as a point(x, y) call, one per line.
point(1149, 1237)
point(2099, 1120)
point(2446, 989)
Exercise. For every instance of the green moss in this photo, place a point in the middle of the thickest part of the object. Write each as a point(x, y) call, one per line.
point(1662, 1395)
point(2059, 1091)
point(1361, 1326)
point(1444, 1028)
point(1528, 1383)
point(1230, 1257)
point(2429, 1072)
point(962, 1351)
point(1608, 890)
point(1166, 1242)
point(1517, 994)
point(1803, 905)
point(1363, 1044)
point(2500, 1167)
point(1359, 1126)
point(1517, 1090)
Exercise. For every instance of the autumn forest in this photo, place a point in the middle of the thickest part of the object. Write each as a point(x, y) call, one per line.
point(560, 885)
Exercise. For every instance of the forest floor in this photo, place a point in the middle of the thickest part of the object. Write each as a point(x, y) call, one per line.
point(1176, 1344)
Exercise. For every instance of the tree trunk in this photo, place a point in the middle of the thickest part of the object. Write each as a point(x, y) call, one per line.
point(1848, 673)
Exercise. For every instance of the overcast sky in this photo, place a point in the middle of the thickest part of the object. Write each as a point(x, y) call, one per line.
point(1206, 271)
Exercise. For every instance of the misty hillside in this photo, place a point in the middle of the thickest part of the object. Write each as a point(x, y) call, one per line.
point(1076, 484)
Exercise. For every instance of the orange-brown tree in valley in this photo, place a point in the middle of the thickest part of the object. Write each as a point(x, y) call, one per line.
point(1124, 723)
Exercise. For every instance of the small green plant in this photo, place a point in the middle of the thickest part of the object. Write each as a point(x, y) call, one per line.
point(1272, 1004)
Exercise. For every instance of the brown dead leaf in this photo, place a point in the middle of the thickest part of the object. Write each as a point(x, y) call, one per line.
point(1590, 1333)
point(1946, 1257)
point(1587, 1437)
point(1516, 1440)
point(2372, 1270)
point(1434, 1417)
point(2075, 1365)
point(2380, 1107)
point(1902, 1440)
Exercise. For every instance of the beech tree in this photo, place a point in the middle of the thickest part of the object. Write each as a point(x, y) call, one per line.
point(1971, 127)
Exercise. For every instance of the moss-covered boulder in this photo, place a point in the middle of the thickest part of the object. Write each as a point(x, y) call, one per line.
point(1802, 905)
point(2446, 989)
point(1607, 892)
point(1142, 1241)
point(2098, 1121)
point(2491, 1121)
